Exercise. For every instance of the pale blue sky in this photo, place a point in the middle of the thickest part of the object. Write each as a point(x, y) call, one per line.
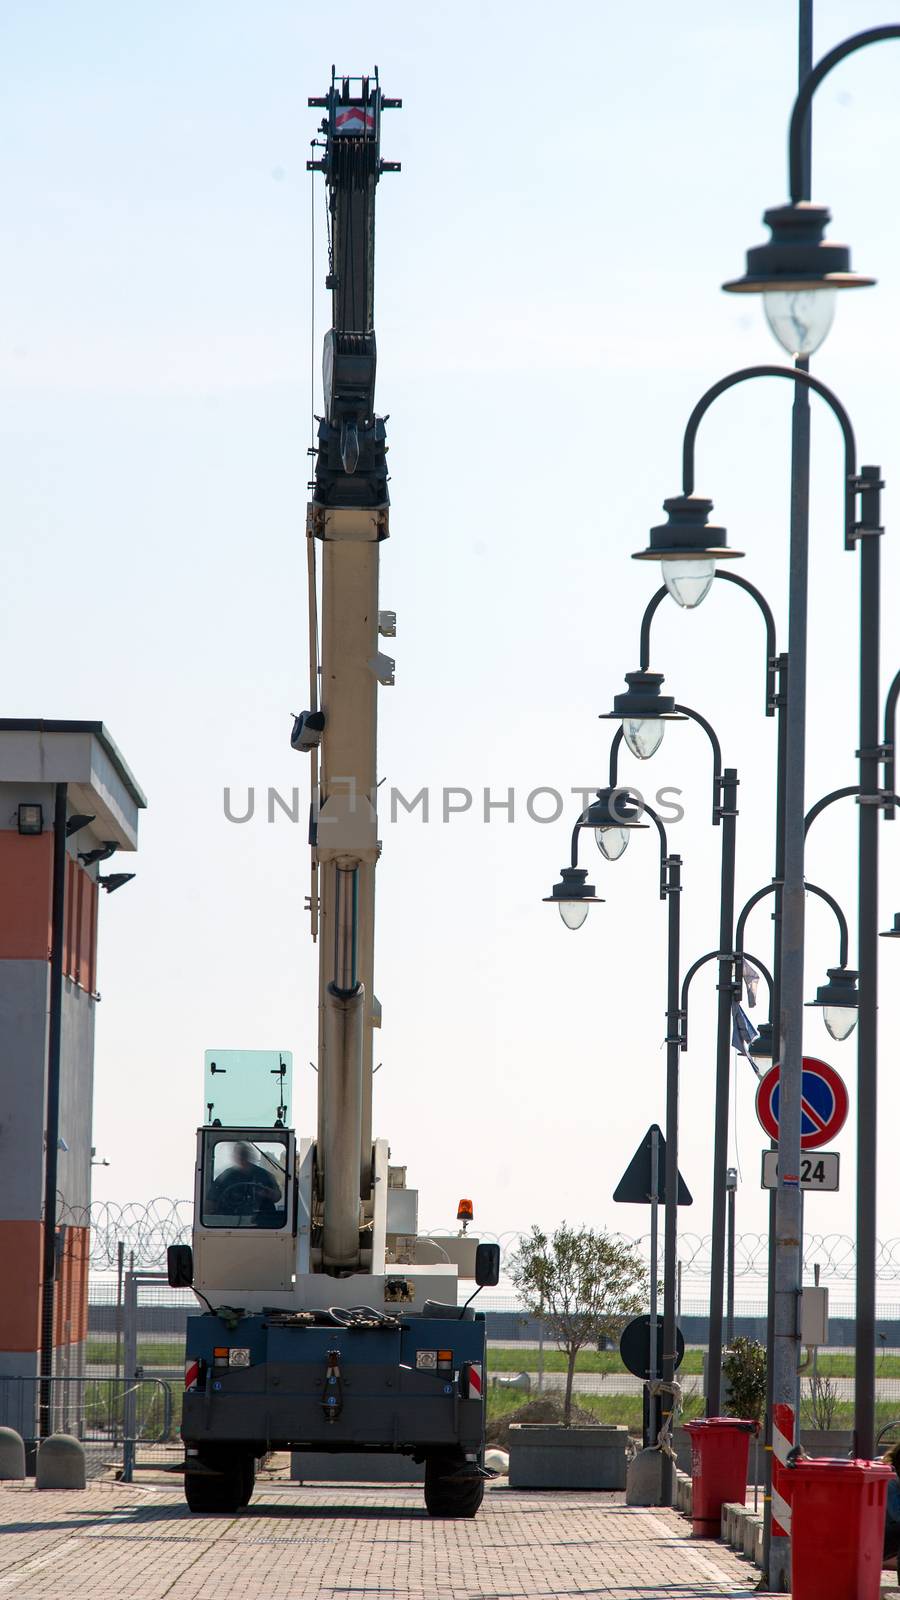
point(577, 182)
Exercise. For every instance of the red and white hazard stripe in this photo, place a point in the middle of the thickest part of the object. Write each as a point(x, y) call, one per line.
point(354, 119)
point(191, 1374)
point(475, 1381)
point(783, 1423)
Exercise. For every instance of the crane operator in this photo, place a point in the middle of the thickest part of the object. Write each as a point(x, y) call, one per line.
point(246, 1189)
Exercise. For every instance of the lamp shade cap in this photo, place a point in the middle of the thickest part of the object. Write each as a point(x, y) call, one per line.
point(798, 256)
point(687, 534)
point(840, 990)
point(762, 1045)
point(573, 885)
point(614, 808)
point(642, 698)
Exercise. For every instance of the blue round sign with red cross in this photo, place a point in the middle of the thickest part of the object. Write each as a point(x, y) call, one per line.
point(824, 1103)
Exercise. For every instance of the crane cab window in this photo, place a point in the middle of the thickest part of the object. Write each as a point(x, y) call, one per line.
point(244, 1181)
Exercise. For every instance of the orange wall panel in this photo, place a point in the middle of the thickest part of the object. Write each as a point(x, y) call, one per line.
point(26, 887)
point(71, 1288)
point(21, 1246)
point(87, 908)
point(20, 1286)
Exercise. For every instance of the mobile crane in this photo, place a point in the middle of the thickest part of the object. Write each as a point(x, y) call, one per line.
point(327, 1322)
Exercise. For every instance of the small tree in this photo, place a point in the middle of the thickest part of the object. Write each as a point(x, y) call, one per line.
point(823, 1401)
point(744, 1366)
point(584, 1284)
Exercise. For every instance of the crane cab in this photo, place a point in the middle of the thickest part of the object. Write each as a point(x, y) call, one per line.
point(245, 1232)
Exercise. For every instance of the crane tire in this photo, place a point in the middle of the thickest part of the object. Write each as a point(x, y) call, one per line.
point(222, 1490)
point(446, 1495)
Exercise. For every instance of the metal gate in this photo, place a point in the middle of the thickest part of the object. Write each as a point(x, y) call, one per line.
point(113, 1418)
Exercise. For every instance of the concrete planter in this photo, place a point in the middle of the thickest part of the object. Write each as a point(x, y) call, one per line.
point(549, 1456)
point(826, 1441)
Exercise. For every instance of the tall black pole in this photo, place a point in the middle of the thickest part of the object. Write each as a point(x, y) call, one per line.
point(728, 816)
point(867, 1045)
point(729, 1302)
point(51, 1118)
point(670, 1223)
point(788, 1241)
point(776, 1050)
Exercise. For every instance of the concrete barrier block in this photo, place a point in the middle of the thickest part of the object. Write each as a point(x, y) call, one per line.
point(729, 1512)
point(758, 1553)
point(752, 1528)
point(735, 1528)
point(738, 1523)
point(684, 1488)
point(12, 1454)
point(643, 1479)
point(60, 1463)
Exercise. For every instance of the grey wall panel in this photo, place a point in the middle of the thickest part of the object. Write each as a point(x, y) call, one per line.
point(76, 1095)
point(24, 998)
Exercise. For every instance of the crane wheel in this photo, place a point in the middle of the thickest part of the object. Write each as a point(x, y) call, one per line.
point(224, 1487)
point(448, 1493)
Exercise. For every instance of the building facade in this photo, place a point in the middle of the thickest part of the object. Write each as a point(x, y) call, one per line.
point(69, 811)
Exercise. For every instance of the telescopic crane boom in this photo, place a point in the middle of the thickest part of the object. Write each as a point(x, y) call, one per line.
point(347, 520)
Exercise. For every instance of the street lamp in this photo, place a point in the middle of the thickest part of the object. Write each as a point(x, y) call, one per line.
point(798, 271)
point(643, 712)
point(574, 896)
point(688, 549)
point(763, 1046)
point(839, 1000)
point(612, 816)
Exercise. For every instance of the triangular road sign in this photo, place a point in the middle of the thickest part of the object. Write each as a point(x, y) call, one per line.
point(636, 1181)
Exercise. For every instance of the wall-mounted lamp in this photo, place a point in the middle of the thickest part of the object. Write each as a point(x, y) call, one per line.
point(115, 881)
point(30, 817)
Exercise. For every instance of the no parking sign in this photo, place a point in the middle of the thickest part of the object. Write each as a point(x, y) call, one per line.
point(824, 1103)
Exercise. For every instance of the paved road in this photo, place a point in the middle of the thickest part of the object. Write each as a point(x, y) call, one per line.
point(114, 1542)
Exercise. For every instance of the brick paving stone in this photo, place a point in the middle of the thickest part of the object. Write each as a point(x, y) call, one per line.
point(123, 1542)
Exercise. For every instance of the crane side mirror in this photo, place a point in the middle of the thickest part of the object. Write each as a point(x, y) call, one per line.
point(180, 1266)
point(487, 1265)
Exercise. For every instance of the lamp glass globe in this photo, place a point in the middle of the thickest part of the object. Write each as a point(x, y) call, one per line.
point(643, 735)
point(611, 842)
point(574, 912)
point(839, 1020)
point(800, 318)
point(688, 582)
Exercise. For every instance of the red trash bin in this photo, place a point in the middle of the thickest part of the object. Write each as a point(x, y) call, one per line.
point(837, 1528)
point(719, 1448)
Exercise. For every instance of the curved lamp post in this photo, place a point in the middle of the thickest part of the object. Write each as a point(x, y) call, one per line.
point(838, 996)
point(640, 708)
point(616, 808)
point(798, 272)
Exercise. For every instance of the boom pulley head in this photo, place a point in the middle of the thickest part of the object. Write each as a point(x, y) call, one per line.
point(350, 461)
